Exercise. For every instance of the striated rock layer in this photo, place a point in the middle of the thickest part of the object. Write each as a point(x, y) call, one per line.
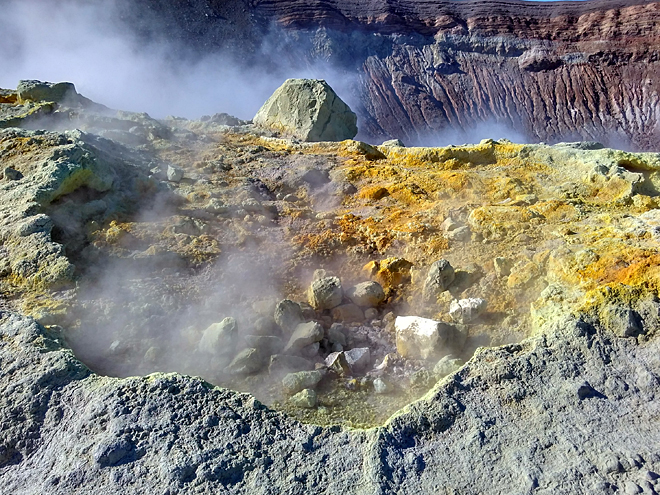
point(546, 71)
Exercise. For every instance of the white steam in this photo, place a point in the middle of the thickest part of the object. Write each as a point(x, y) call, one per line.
point(87, 44)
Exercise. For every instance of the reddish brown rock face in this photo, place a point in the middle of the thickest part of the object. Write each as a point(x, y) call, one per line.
point(547, 71)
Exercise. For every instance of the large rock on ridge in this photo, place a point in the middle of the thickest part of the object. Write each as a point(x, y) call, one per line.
point(307, 109)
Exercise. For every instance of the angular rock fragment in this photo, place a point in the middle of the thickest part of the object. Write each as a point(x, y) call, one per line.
point(336, 361)
point(420, 338)
point(325, 293)
point(366, 294)
point(394, 142)
point(174, 174)
point(348, 312)
point(307, 109)
point(296, 382)
point(467, 310)
point(358, 358)
point(219, 338)
point(246, 362)
point(304, 335)
point(306, 399)
point(288, 315)
point(30, 90)
point(438, 280)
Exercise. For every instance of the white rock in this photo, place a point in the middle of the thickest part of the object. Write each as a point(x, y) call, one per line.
point(358, 358)
point(419, 338)
point(467, 310)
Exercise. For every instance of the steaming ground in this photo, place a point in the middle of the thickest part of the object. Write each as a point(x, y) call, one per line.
point(138, 237)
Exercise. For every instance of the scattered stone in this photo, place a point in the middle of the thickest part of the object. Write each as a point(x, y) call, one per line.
point(394, 142)
point(174, 174)
point(446, 366)
point(288, 315)
point(304, 335)
point(286, 363)
point(371, 313)
point(219, 338)
point(381, 386)
point(449, 224)
point(387, 362)
point(348, 313)
point(296, 382)
point(336, 361)
point(307, 109)
point(325, 293)
point(366, 294)
point(502, 266)
point(460, 234)
point(467, 310)
point(265, 344)
point(420, 338)
point(440, 277)
point(246, 362)
point(12, 174)
point(371, 153)
point(358, 358)
point(337, 348)
point(336, 334)
point(306, 399)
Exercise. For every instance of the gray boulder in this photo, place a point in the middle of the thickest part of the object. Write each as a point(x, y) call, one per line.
point(304, 335)
point(296, 382)
point(358, 358)
point(288, 315)
point(29, 90)
point(467, 310)
point(246, 362)
point(325, 293)
point(219, 338)
point(366, 294)
point(307, 109)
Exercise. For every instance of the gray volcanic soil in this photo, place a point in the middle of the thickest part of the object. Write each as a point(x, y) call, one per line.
point(542, 416)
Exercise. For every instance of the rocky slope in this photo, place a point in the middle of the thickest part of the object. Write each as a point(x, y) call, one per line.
point(541, 71)
point(140, 252)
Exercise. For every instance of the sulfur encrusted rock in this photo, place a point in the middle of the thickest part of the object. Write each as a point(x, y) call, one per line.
point(307, 109)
